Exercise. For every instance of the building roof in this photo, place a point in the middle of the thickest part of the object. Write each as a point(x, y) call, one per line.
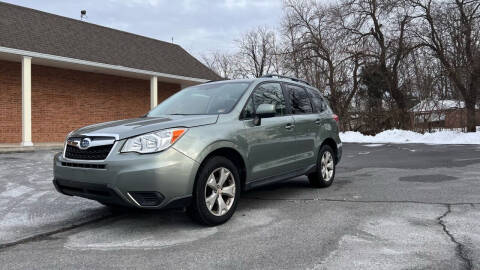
point(438, 105)
point(36, 31)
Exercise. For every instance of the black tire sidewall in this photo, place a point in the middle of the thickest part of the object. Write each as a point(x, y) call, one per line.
point(316, 178)
point(200, 210)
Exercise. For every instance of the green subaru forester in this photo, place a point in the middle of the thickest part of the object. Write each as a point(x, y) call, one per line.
point(204, 145)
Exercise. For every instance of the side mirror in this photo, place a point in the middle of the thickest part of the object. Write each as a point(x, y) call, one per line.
point(264, 111)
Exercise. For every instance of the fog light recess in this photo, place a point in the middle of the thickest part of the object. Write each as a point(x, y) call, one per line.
point(146, 198)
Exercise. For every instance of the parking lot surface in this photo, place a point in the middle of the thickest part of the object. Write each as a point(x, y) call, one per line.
point(408, 206)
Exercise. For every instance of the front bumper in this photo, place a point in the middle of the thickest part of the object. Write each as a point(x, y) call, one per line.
point(129, 179)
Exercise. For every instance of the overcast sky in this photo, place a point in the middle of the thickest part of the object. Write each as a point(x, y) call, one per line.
point(199, 26)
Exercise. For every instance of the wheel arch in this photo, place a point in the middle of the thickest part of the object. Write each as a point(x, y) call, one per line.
point(230, 151)
point(331, 142)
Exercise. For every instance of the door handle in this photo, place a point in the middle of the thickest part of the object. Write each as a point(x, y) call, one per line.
point(289, 126)
point(318, 122)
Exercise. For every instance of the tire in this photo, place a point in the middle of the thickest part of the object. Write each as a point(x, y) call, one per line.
point(325, 173)
point(208, 187)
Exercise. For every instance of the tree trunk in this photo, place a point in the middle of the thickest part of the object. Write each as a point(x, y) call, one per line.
point(471, 121)
point(399, 97)
point(402, 116)
point(404, 119)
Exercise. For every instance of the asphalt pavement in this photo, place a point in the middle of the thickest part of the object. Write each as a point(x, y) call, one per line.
point(409, 206)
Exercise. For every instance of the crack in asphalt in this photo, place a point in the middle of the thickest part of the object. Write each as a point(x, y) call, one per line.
point(460, 249)
point(45, 235)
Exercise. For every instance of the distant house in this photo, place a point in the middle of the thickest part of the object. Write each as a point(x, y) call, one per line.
point(441, 114)
point(58, 74)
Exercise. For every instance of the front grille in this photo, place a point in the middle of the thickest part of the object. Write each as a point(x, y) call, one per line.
point(147, 198)
point(80, 165)
point(92, 153)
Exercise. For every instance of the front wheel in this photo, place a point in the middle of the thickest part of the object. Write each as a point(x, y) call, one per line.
point(325, 173)
point(216, 192)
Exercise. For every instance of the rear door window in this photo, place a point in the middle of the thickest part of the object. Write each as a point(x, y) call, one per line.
point(299, 100)
point(318, 102)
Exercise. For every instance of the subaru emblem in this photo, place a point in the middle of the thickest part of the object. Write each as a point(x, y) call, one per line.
point(85, 143)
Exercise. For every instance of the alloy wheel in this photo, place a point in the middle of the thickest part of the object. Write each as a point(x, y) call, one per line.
point(327, 166)
point(220, 191)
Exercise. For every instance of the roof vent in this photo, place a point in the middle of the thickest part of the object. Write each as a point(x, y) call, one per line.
point(83, 15)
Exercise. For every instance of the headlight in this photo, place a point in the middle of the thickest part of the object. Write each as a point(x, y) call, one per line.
point(153, 142)
point(68, 135)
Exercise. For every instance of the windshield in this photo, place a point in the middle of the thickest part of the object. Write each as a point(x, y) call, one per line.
point(212, 98)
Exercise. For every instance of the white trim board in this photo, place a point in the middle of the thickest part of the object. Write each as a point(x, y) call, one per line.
point(98, 65)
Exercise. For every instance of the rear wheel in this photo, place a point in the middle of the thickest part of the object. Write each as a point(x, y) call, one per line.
point(216, 192)
point(325, 173)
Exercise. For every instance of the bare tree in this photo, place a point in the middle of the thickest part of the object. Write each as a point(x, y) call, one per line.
point(451, 29)
point(210, 60)
point(291, 53)
point(320, 52)
point(369, 57)
point(226, 65)
point(258, 49)
point(385, 25)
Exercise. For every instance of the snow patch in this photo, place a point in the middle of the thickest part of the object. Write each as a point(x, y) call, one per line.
point(374, 145)
point(139, 232)
point(137, 239)
point(405, 136)
point(149, 231)
point(14, 190)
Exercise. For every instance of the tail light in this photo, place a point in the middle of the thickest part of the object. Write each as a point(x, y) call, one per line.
point(336, 118)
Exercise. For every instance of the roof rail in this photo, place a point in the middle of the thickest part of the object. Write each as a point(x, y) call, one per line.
point(285, 77)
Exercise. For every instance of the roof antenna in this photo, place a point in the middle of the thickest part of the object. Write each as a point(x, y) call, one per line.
point(83, 15)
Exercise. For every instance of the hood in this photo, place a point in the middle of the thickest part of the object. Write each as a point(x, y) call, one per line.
point(132, 127)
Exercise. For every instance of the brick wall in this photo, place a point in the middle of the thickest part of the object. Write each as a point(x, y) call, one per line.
point(166, 89)
point(10, 102)
point(64, 100)
point(458, 118)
